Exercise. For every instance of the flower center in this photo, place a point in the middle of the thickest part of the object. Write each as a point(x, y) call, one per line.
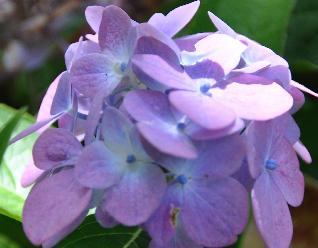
point(204, 89)
point(271, 164)
point(123, 67)
point(182, 179)
point(131, 159)
point(181, 126)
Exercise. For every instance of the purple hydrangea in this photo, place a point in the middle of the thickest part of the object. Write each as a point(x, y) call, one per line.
point(169, 134)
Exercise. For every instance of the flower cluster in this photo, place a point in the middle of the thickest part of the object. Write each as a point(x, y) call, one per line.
point(171, 134)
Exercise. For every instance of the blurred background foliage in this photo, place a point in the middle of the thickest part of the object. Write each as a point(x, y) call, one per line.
point(33, 38)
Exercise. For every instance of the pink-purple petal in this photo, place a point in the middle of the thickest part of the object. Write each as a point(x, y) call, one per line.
point(268, 100)
point(203, 110)
point(219, 48)
point(303, 152)
point(30, 174)
point(160, 70)
point(162, 225)
point(115, 32)
point(287, 175)
point(54, 208)
point(209, 161)
point(115, 130)
point(55, 147)
point(222, 26)
point(104, 219)
point(174, 21)
point(215, 212)
point(93, 16)
point(149, 106)
point(271, 213)
point(303, 88)
point(36, 127)
point(62, 100)
point(134, 199)
point(92, 72)
point(79, 49)
point(198, 133)
point(168, 139)
point(97, 167)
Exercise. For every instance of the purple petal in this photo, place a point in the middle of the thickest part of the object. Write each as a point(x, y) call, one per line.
point(30, 175)
point(256, 52)
point(259, 138)
point(155, 106)
point(222, 26)
point(161, 71)
point(205, 69)
point(209, 161)
point(104, 219)
point(168, 141)
point(303, 88)
point(97, 167)
point(287, 175)
point(278, 74)
point(61, 234)
point(187, 43)
point(79, 49)
point(146, 30)
point(180, 240)
point(203, 110)
point(198, 133)
point(115, 130)
point(271, 213)
point(299, 99)
point(150, 45)
point(216, 159)
point(254, 101)
point(36, 127)
point(46, 104)
point(137, 196)
point(92, 72)
point(67, 122)
point(214, 212)
point(219, 48)
point(94, 114)
point(157, 123)
point(93, 16)
point(163, 223)
point(115, 32)
point(243, 176)
point(289, 127)
point(175, 20)
point(55, 147)
point(303, 152)
point(253, 68)
point(54, 208)
point(62, 100)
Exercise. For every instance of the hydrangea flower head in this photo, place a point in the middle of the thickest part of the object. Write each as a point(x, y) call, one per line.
point(170, 134)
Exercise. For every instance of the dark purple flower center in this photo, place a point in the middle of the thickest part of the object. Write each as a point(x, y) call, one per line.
point(131, 159)
point(123, 67)
point(182, 179)
point(271, 164)
point(205, 88)
point(181, 126)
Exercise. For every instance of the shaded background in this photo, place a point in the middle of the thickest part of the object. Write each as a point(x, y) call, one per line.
point(35, 34)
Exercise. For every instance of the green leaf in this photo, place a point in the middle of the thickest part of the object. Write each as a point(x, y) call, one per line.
point(15, 160)
point(91, 234)
point(302, 33)
point(264, 21)
point(7, 131)
point(12, 235)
